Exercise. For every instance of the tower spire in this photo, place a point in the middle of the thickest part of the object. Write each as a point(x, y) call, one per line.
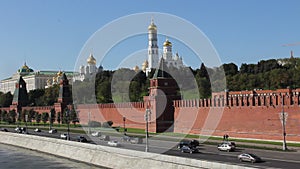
point(292, 54)
point(152, 20)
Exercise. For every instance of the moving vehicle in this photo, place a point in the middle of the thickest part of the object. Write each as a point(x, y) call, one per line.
point(104, 137)
point(81, 139)
point(52, 131)
point(190, 146)
point(249, 157)
point(188, 143)
point(125, 138)
point(65, 136)
point(136, 140)
point(114, 143)
point(226, 146)
point(18, 129)
point(37, 130)
point(96, 134)
point(4, 129)
point(186, 149)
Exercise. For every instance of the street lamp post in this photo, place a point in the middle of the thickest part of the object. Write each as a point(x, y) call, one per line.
point(26, 119)
point(147, 118)
point(283, 117)
point(18, 116)
point(50, 120)
point(124, 119)
point(89, 122)
point(68, 122)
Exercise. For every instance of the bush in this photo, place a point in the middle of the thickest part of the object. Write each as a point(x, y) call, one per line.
point(94, 124)
point(107, 124)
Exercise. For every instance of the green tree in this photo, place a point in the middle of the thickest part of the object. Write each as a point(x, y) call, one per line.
point(5, 99)
point(73, 117)
point(104, 94)
point(36, 97)
point(45, 117)
point(31, 115)
point(38, 117)
point(12, 115)
point(230, 69)
point(58, 118)
point(52, 116)
point(4, 116)
point(51, 95)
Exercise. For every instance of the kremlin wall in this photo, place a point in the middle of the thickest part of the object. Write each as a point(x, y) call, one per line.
point(244, 114)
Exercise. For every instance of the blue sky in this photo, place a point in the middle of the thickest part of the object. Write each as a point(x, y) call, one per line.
point(50, 34)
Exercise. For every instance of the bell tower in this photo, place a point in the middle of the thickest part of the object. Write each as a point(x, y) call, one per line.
point(152, 47)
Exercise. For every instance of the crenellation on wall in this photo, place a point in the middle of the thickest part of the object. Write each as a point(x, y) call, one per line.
point(256, 98)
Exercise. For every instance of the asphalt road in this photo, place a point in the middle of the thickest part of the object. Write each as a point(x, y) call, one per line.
point(271, 159)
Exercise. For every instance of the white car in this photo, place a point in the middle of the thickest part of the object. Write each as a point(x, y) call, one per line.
point(226, 147)
point(52, 131)
point(114, 143)
point(96, 134)
point(37, 130)
point(64, 136)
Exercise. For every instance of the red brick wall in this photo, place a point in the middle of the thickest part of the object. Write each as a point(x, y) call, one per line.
point(133, 112)
point(260, 122)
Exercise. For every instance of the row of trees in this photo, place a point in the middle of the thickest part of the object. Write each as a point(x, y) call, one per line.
point(125, 85)
point(270, 74)
point(13, 117)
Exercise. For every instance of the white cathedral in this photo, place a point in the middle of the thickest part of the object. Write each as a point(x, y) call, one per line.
point(153, 55)
point(88, 71)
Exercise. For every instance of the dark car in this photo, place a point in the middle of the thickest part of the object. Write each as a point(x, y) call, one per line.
point(249, 157)
point(24, 130)
point(4, 129)
point(189, 143)
point(82, 139)
point(188, 146)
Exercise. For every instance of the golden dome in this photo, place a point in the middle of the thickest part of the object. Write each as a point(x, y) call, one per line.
point(25, 66)
point(167, 43)
point(145, 64)
point(136, 68)
point(152, 26)
point(91, 60)
point(25, 69)
point(59, 73)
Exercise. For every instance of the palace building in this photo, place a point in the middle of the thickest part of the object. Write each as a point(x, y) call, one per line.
point(34, 79)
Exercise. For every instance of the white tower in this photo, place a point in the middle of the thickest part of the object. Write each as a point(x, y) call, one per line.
point(152, 47)
point(167, 49)
point(91, 61)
